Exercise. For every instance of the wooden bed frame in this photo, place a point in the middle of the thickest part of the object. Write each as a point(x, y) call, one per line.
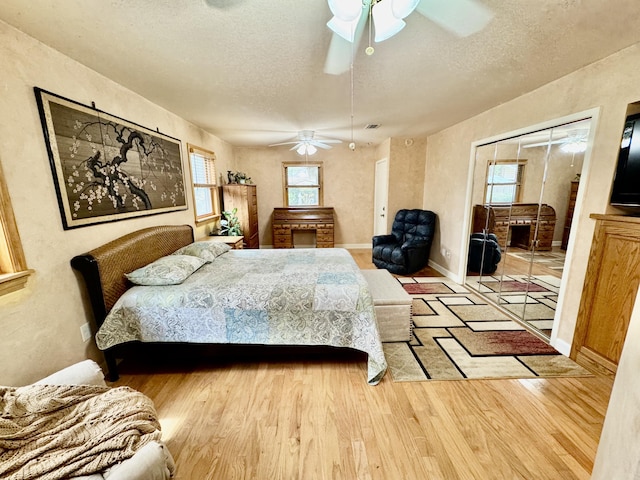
point(103, 268)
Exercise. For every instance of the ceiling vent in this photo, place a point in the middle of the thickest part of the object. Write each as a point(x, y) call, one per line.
point(372, 126)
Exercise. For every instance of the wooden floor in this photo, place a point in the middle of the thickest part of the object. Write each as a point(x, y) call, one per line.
point(296, 416)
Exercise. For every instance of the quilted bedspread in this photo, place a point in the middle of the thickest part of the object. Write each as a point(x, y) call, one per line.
point(273, 297)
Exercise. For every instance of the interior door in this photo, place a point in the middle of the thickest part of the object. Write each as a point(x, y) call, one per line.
point(381, 196)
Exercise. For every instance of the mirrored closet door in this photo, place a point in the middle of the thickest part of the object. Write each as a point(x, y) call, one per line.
point(523, 197)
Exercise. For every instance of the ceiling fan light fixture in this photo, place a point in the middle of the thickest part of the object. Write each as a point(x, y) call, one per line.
point(346, 10)
point(403, 8)
point(385, 22)
point(306, 149)
point(343, 28)
point(576, 146)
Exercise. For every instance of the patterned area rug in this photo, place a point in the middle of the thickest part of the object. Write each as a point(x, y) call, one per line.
point(532, 298)
point(457, 335)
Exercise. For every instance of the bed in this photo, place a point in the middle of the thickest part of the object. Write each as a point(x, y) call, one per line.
point(300, 297)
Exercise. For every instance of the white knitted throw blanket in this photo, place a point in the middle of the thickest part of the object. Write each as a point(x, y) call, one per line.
point(54, 432)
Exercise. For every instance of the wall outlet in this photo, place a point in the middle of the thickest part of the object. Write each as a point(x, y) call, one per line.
point(85, 331)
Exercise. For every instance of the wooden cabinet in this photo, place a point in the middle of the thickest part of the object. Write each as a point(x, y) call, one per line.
point(521, 219)
point(573, 194)
point(244, 198)
point(290, 219)
point(609, 292)
point(235, 242)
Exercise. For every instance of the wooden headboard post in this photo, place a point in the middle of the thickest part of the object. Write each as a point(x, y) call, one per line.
point(103, 268)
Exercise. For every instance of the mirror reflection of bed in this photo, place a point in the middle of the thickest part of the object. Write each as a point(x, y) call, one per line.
point(525, 192)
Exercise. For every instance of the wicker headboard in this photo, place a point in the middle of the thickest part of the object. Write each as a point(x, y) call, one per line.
point(103, 268)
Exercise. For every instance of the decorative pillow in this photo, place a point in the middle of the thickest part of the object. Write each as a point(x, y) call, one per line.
point(169, 270)
point(206, 250)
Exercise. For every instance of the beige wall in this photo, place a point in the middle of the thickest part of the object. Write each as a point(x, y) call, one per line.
point(41, 325)
point(406, 173)
point(348, 178)
point(607, 86)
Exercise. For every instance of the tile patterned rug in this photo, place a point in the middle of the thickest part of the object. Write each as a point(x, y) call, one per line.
point(535, 301)
point(457, 335)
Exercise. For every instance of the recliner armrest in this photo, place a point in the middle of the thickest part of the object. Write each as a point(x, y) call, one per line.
point(382, 239)
point(416, 243)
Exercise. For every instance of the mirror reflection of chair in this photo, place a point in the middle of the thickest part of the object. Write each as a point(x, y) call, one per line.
point(484, 253)
point(406, 249)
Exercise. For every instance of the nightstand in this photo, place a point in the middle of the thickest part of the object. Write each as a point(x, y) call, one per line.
point(235, 242)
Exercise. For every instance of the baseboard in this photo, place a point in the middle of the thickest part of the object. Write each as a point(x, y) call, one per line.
point(440, 269)
point(354, 246)
point(562, 346)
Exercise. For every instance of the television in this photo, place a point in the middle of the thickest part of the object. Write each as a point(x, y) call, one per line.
point(626, 183)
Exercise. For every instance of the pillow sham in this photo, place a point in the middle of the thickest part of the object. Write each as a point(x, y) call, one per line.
point(169, 270)
point(206, 250)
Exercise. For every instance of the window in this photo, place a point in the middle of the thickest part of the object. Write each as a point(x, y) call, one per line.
point(504, 181)
point(302, 184)
point(13, 266)
point(205, 190)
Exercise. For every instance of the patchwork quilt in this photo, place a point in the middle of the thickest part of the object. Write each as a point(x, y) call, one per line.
point(272, 297)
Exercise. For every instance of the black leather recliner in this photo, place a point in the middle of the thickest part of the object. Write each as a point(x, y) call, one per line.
point(406, 250)
point(484, 253)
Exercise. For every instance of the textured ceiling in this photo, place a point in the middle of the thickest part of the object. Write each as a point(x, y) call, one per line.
point(251, 71)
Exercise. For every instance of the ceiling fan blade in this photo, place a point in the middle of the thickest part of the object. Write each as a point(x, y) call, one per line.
point(223, 4)
point(328, 140)
point(461, 17)
point(543, 144)
point(318, 144)
point(283, 143)
point(341, 51)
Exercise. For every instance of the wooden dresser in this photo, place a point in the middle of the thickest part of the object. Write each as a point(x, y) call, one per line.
point(609, 293)
point(573, 195)
point(521, 219)
point(290, 219)
point(244, 198)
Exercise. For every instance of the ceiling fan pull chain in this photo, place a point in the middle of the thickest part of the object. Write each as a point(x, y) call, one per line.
point(369, 50)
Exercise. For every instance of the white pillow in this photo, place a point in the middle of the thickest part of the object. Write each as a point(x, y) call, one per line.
point(169, 270)
point(206, 250)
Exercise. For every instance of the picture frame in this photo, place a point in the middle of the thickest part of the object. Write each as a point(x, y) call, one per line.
point(105, 168)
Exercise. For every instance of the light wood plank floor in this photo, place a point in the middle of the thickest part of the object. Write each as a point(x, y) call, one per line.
point(285, 414)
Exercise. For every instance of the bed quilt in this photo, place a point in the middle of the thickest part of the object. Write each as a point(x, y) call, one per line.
point(271, 297)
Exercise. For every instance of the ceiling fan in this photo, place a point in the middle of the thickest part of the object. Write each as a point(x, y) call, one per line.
point(306, 143)
point(460, 17)
point(573, 142)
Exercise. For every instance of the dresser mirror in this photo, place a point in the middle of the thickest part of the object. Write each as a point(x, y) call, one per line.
point(524, 193)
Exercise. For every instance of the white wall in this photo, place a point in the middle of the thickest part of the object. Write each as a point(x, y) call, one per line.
point(41, 325)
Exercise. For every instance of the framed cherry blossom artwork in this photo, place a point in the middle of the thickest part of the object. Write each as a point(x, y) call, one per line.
point(105, 168)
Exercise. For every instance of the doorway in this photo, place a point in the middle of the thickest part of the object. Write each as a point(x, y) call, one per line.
point(381, 197)
point(524, 193)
